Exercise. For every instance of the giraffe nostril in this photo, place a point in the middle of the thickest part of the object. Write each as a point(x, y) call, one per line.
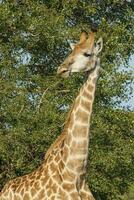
point(64, 70)
point(61, 71)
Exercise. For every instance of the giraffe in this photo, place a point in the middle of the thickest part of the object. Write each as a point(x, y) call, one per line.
point(61, 176)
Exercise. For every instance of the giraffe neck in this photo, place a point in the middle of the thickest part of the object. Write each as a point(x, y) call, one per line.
point(77, 127)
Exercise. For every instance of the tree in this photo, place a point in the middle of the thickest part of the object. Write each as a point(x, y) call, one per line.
point(130, 194)
point(33, 42)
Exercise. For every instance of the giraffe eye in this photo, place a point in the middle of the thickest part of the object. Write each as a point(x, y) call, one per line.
point(87, 54)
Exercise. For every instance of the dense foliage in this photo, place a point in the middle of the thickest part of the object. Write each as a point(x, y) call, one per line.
point(34, 38)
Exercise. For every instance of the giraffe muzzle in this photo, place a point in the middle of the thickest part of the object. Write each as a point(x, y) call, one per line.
point(63, 72)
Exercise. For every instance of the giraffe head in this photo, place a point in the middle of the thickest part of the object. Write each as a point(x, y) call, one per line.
point(84, 55)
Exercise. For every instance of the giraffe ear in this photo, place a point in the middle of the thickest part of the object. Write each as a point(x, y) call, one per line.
point(72, 45)
point(98, 47)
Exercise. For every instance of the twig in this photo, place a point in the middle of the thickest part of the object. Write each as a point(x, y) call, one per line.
point(22, 108)
point(60, 91)
point(41, 100)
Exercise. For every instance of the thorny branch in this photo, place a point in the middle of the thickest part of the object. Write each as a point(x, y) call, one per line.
point(41, 100)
